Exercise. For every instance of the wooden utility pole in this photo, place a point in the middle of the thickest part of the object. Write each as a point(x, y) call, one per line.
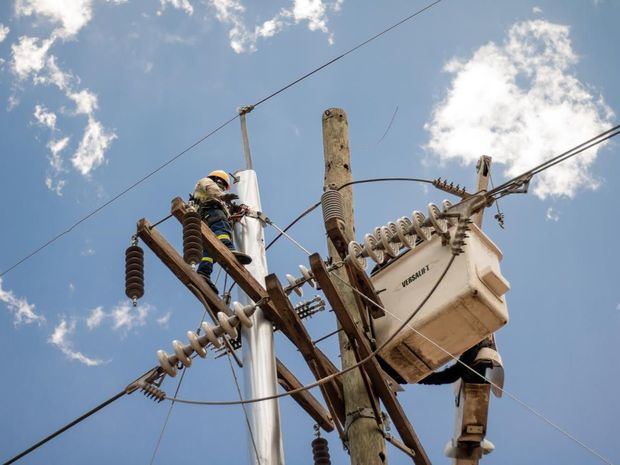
point(365, 440)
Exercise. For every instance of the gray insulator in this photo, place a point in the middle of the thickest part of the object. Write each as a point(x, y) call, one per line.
point(331, 203)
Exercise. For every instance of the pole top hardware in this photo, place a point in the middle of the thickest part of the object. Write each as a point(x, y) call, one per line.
point(245, 110)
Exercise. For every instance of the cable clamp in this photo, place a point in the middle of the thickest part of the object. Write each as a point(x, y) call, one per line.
point(260, 216)
point(352, 417)
point(154, 377)
point(245, 110)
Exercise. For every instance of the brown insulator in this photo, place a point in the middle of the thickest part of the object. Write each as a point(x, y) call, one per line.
point(192, 238)
point(134, 272)
point(320, 452)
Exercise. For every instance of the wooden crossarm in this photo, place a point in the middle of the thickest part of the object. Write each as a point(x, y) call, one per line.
point(372, 368)
point(292, 325)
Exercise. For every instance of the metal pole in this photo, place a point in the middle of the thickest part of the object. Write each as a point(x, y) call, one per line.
point(259, 365)
point(247, 155)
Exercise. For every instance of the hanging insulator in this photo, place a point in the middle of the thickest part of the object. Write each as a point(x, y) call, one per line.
point(134, 272)
point(320, 452)
point(192, 238)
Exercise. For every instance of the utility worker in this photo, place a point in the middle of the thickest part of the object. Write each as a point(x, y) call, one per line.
point(214, 201)
point(457, 371)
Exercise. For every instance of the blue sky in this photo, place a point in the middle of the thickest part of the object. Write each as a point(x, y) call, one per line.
point(94, 94)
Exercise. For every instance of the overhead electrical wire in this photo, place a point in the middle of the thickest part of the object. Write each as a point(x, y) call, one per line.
point(570, 153)
point(333, 375)
point(468, 367)
point(314, 206)
point(606, 135)
point(407, 323)
point(65, 428)
point(214, 131)
point(576, 150)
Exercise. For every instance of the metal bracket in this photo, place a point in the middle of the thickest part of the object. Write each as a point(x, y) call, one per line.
point(352, 417)
point(149, 383)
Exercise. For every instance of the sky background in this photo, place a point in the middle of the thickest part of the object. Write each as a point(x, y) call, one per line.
point(94, 94)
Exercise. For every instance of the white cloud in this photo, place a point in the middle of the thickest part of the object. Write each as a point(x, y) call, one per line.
point(164, 320)
point(55, 147)
point(184, 5)
point(29, 56)
point(91, 152)
point(52, 182)
point(4, 31)
point(552, 214)
point(53, 75)
point(95, 317)
point(70, 15)
point(85, 101)
point(520, 103)
point(242, 39)
point(148, 67)
point(60, 339)
point(230, 12)
point(45, 117)
point(537, 10)
point(23, 312)
point(55, 185)
point(126, 317)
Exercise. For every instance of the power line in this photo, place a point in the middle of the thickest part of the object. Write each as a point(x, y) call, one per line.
point(407, 323)
point(333, 375)
point(245, 412)
point(576, 150)
point(211, 133)
point(509, 394)
point(314, 206)
point(66, 427)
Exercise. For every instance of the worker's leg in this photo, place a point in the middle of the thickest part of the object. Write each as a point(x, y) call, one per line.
point(220, 225)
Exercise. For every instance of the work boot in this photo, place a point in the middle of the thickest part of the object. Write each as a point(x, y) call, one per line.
point(242, 258)
point(210, 283)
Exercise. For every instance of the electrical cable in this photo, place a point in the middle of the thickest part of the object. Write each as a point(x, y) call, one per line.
point(333, 375)
point(504, 391)
point(66, 427)
point(406, 323)
point(163, 428)
point(327, 336)
point(314, 206)
point(211, 133)
point(576, 150)
point(457, 360)
point(389, 126)
point(245, 412)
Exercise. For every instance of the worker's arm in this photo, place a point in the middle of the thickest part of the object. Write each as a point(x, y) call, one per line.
point(448, 376)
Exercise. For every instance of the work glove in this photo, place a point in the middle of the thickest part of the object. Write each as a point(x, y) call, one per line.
point(229, 197)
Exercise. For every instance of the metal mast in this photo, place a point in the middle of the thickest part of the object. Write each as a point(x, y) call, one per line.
point(259, 365)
